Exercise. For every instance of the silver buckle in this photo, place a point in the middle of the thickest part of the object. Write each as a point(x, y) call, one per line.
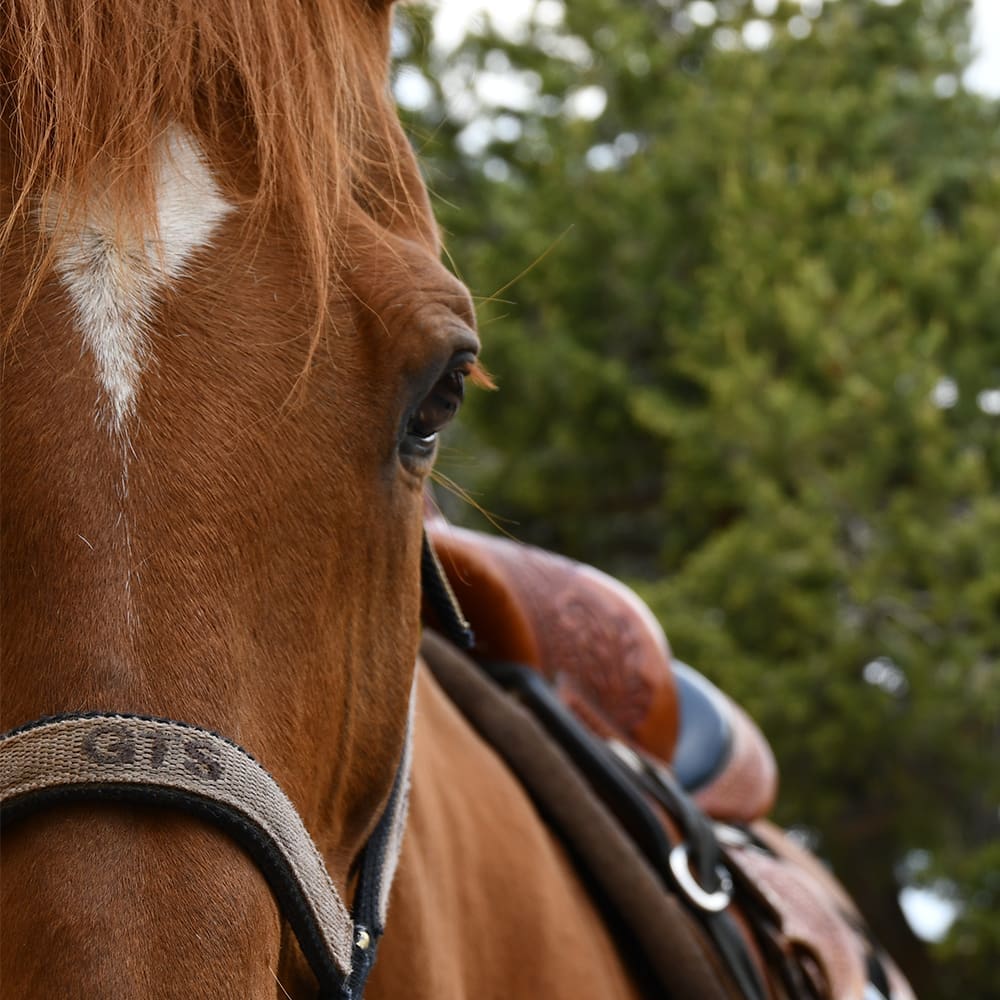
point(710, 902)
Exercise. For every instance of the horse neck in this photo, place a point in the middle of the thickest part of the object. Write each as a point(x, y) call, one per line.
point(486, 902)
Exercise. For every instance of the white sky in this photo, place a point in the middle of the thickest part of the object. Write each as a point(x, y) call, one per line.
point(984, 73)
point(453, 16)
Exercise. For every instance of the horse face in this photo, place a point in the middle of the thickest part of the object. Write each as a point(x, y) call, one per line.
point(213, 455)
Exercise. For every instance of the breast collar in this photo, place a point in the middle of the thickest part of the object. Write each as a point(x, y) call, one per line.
point(138, 759)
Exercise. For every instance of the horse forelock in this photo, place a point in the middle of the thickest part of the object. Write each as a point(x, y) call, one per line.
point(286, 102)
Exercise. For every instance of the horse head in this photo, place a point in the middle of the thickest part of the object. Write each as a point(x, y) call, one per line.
point(230, 349)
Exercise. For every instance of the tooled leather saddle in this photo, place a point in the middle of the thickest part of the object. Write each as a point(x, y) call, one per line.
point(683, 769)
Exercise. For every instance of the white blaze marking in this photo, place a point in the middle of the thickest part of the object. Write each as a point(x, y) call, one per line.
point(114, 275)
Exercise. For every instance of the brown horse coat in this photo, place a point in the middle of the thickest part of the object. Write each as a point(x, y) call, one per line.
point(228, 337)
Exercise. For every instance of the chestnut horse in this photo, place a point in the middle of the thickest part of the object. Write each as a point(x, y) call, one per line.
point(229, 348)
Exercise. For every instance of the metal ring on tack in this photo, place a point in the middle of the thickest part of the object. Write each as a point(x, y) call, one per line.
point(710, 902)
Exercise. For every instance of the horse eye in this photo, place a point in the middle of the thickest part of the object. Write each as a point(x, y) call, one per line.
point(438, 407)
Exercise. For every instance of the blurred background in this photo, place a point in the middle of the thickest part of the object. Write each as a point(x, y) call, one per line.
point(738, 273)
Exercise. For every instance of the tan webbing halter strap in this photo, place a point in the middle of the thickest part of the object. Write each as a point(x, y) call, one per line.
point(147, 760)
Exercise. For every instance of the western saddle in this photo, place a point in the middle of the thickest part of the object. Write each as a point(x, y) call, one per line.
point(684, 769)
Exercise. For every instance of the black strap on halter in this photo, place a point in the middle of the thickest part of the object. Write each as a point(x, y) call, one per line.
point(371, 876)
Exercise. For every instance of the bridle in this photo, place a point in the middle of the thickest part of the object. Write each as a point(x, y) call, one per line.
point(115, 757)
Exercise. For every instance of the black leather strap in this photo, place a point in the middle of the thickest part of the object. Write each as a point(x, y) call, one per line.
point(451, 622)
point(624, 792)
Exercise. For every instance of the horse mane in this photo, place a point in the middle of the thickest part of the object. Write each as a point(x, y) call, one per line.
point(91, 89)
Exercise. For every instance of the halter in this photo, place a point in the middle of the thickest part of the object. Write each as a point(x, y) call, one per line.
point(115, 757)
point(139, 759)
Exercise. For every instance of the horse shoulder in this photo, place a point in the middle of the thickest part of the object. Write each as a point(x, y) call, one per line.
point(486, 902)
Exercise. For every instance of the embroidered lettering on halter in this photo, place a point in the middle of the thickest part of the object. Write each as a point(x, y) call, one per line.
point(135, 758)
point(118, 743)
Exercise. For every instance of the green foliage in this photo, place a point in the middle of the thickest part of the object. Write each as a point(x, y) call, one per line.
point(750, 370)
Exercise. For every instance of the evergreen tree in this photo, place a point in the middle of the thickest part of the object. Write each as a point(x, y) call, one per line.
point(753, 366)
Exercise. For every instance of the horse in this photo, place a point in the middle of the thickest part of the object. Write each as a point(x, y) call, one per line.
point(229, 349)
point(227, 769)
